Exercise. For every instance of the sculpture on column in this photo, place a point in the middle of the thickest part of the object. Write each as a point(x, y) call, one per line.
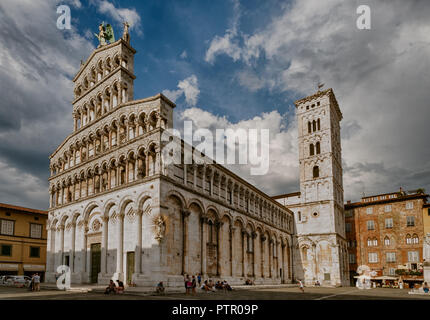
point(160, 228)
point(126, 34)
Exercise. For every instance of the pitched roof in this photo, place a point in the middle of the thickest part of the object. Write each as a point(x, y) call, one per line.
point(22, 209)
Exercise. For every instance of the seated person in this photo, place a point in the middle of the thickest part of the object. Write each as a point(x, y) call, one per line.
point(227, 286)
point(425, 287)
point(218, 285)
point(317, 283)
point(110, 288)
point(120, 288)
point(210, 286)
point(160, 288)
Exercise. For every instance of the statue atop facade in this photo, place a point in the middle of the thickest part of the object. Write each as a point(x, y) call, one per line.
point(126, 34)
point(105, 34)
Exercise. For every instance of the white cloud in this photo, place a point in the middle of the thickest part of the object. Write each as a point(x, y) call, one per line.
point(21, 188)
point(188, 87)
point(36, 90)
point(283, 172)
point(184, 54)
point(76, 3)
point(227, 44)
point(120, 14)
point(379, 77)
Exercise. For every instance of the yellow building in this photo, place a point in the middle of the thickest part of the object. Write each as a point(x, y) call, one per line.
point(426, 218)
point(22, 240)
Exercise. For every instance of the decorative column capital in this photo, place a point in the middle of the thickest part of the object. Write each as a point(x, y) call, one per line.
point(263, 238)
point(219, 224)
point(185, 213)
point(254, 234)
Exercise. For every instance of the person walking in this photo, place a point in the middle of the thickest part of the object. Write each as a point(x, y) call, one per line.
point(193, 285)
point(185, 283)
point(199, 279)
point(301, 286)
point(36, 279)
point(188, 285)
point(31, 286)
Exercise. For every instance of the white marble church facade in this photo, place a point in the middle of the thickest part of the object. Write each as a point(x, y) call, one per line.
point(116, 212)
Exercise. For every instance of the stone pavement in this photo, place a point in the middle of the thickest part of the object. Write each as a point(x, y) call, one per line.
point(150, 290)
point(248, 293)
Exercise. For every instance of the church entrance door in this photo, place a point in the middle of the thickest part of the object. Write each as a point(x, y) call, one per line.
point(130, 266)
point(95, 261)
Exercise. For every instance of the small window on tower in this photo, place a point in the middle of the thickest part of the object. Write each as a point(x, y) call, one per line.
point(314, 125)
point(311, 149)
point(318, 147)
point(309, 127)
point(316, 172)
point(318, 124)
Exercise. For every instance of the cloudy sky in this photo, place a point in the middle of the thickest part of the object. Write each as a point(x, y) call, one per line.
point(229, 64)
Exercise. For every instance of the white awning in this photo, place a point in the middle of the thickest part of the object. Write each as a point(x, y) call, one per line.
point(34, 267)
point(386, 278)
point(8, 267)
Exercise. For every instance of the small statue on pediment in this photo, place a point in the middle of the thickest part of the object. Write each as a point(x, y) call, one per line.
point(126, 33)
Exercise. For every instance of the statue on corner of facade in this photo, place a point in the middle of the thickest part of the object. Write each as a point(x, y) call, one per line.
point(126, 33)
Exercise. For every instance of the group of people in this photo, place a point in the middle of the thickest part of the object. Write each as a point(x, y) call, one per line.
point(193, 282)
point(35, 282)
point(208, 285)
point(112, 287)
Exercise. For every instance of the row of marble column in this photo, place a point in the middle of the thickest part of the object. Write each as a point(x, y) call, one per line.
point(276, 261)
point(132, 172)
point(277, 251)
point(250, 205)
point(117, 94)
point(97, 73)
point(59, 254)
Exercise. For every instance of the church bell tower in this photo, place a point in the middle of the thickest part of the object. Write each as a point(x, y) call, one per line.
point(320, 221)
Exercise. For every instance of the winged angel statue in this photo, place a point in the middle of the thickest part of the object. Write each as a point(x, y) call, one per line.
point(105, 34)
